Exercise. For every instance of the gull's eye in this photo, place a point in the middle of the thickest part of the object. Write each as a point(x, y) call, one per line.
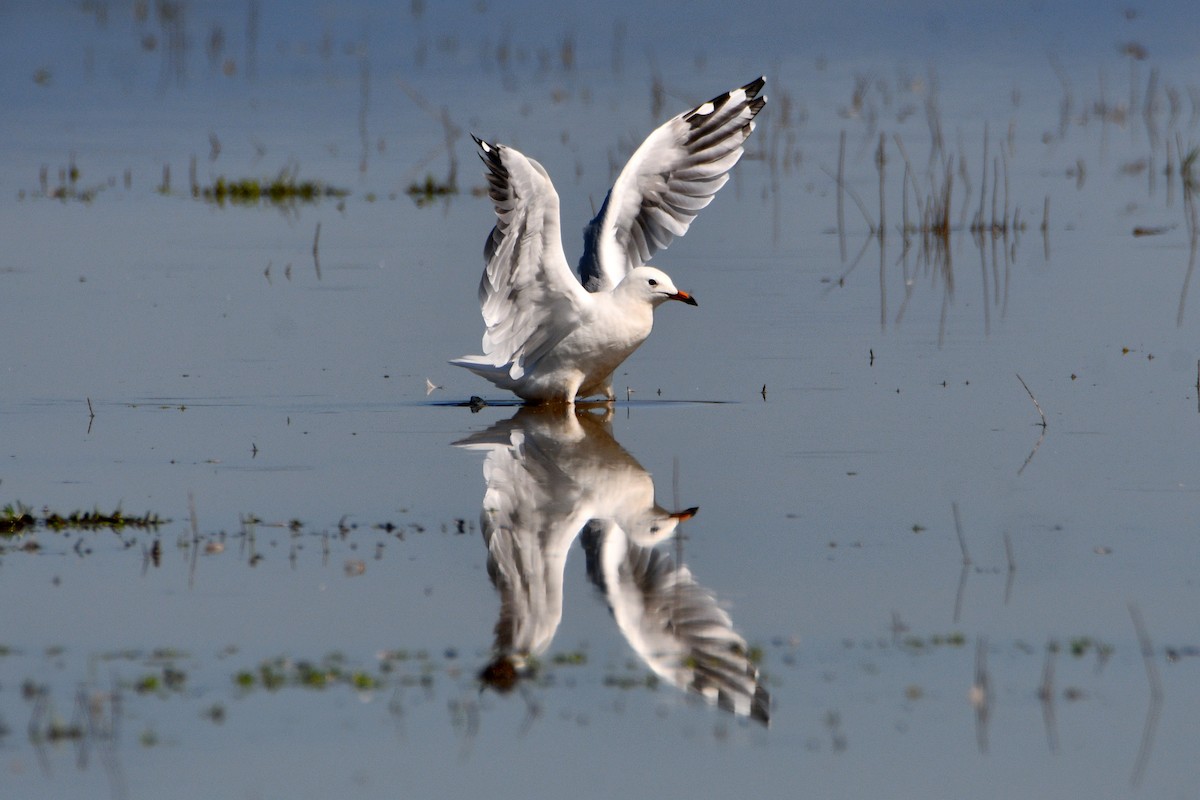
point(653, 282)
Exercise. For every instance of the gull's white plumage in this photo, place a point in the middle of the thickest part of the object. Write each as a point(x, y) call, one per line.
point(552, 336)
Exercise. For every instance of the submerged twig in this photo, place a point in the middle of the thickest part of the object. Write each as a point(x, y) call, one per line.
point(962, 541)
point(1046, 229)
point(1012, 567)
point(1194, 241)
point(1033, 452)
point(966, 564)
point(841, 214)
point(841, 280)
point(195, 553)
point(1046, 696)
point(364, 98)
point(854, 196)
point(910, 180)
point(1156, 696)
point(1042, 437)
point(316, 246)
point(1034, 399)
point(880, 163)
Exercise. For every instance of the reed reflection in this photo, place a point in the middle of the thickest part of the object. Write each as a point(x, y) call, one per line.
point(554, 476)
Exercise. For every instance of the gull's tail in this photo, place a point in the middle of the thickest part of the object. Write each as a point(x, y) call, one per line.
point(484, 368)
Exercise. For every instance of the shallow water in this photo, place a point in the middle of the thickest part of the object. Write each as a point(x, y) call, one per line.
point(314, 617)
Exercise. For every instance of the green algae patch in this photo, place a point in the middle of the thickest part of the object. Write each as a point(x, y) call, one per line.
point(283, 190)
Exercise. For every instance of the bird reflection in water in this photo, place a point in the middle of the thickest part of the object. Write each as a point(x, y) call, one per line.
point(555, 475)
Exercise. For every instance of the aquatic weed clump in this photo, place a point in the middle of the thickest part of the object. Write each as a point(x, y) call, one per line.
point(17, 518)
point(285, 189)
point(429, 190)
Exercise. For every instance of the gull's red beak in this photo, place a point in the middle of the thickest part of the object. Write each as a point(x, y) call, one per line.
point(684, 297)
point(686, 514)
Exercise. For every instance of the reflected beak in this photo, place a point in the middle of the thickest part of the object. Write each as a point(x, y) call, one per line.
point(688, 513)
point(683, 297)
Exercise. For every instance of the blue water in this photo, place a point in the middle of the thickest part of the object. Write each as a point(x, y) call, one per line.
point(229, 375)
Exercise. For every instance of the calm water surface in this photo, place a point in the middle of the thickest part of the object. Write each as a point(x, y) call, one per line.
point(845, 411)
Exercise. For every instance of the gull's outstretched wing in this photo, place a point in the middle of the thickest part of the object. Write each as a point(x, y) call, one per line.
point(675, 173)
point(530, 299)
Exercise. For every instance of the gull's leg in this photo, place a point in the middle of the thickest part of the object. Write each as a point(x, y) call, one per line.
point(572, 392)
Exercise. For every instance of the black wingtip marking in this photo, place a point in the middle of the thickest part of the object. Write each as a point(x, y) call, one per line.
point(497, 173)
point(486, 148)
point(696, 118)
point(488, 152)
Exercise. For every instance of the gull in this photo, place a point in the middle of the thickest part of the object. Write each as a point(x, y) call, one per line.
point(553, 336)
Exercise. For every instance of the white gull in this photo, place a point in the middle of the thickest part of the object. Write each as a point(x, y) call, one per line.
point(552, 337)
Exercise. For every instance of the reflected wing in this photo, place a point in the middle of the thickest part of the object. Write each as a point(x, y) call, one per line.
point(529, 521)
point(675, 173)
point(530, 299)
point(675, 624)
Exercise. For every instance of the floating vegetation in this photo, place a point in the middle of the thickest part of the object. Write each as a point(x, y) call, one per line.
point(331, 671)
point(430, 190)
point(17, 518)
point(1080, 646)
point(283, 190)
point(170, 679)
point(918, 643)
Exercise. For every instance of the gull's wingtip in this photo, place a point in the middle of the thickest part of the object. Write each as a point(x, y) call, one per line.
point(754, 97)
point(483, 145)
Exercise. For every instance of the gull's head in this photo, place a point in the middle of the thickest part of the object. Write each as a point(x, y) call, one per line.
point(656, 526)
point(654, 286)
